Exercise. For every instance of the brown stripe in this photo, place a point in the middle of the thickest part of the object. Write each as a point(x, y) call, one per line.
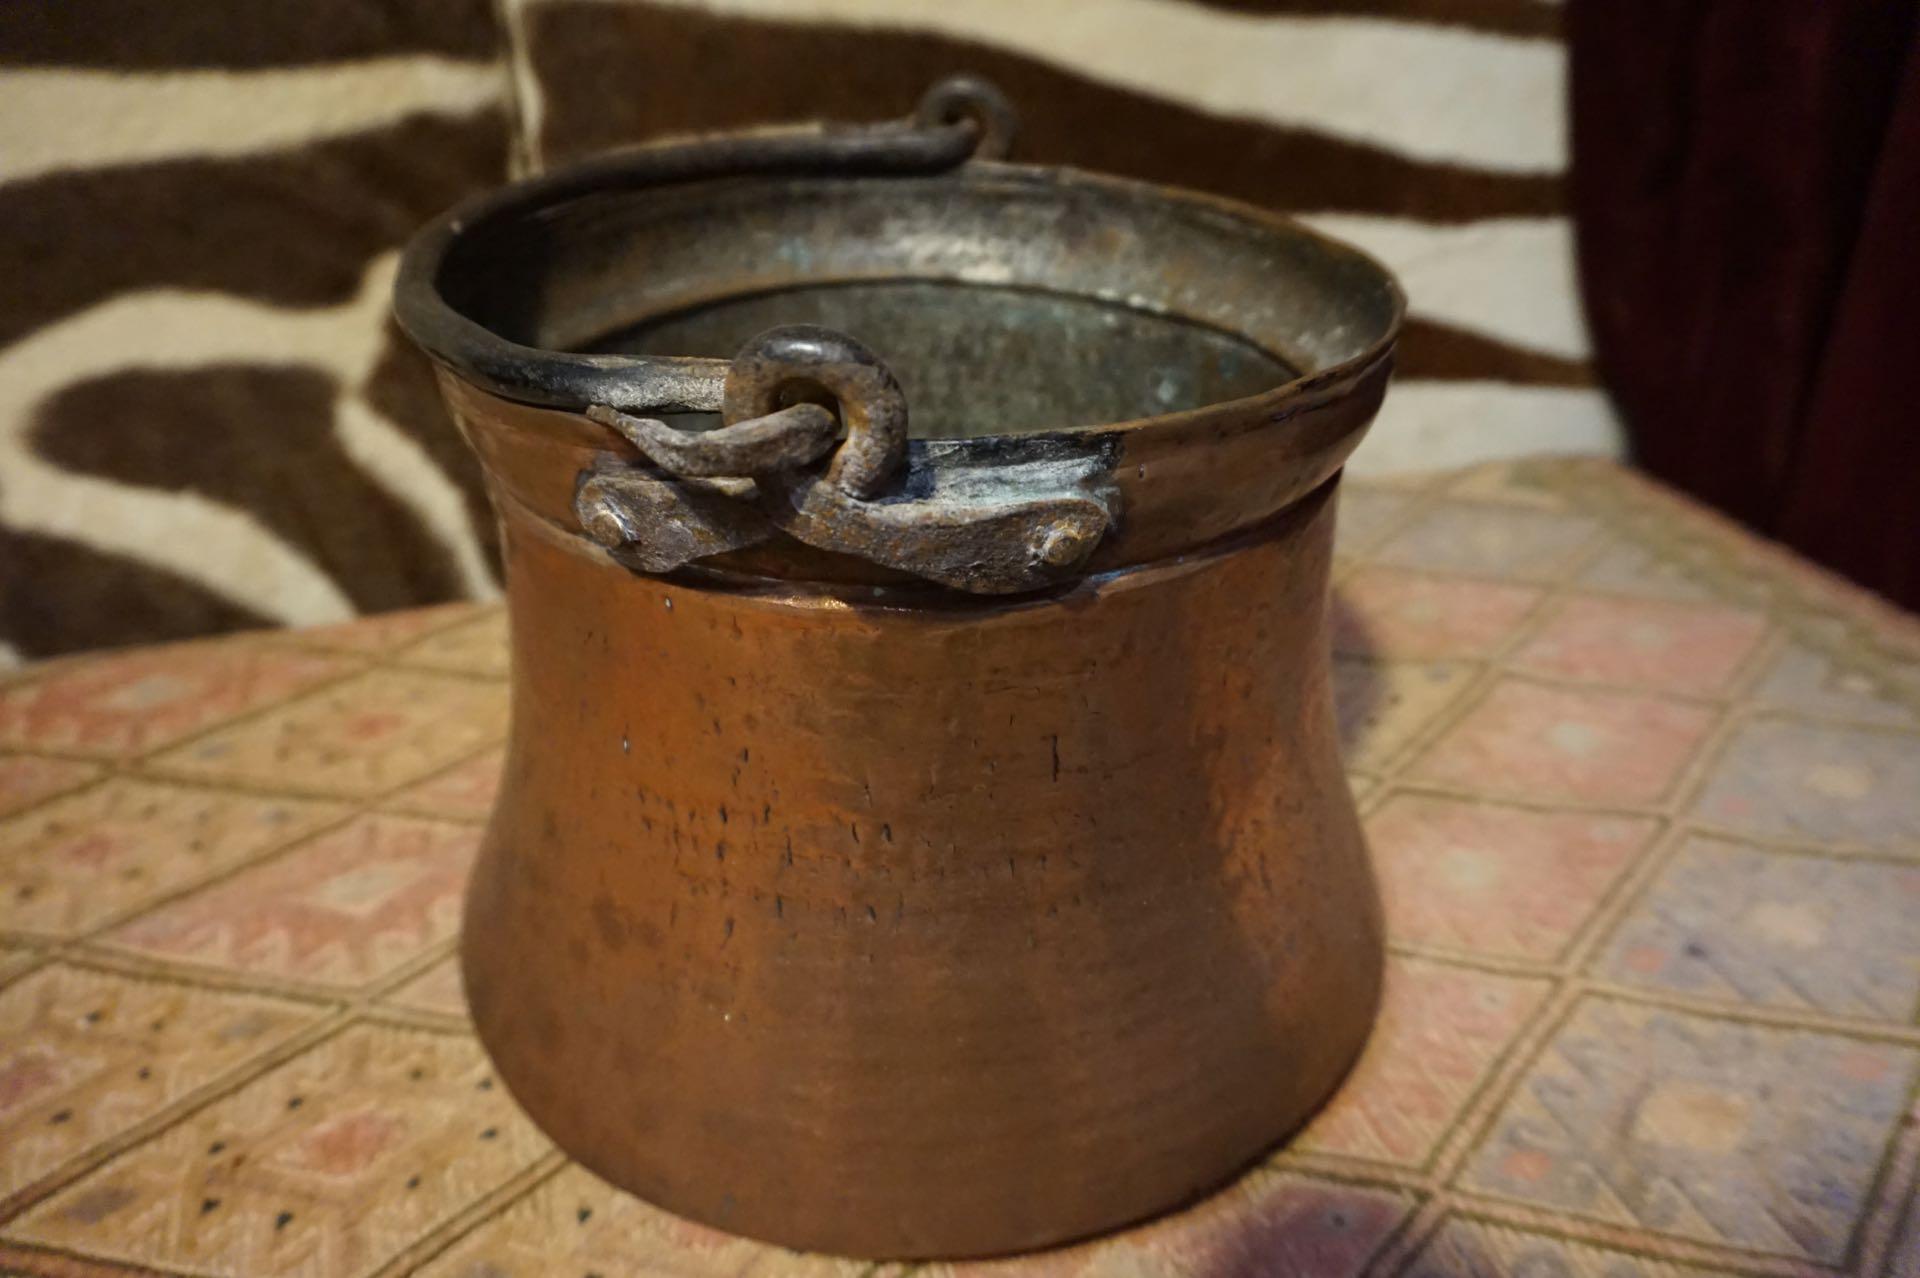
point(612, 75)
point(1502, 17)
point(1429, 349)
point(237, 34)
point(261, 439)
point(60, 596)
point(295, 228)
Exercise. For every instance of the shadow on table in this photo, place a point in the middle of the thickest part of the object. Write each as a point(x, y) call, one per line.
point(1358, 691)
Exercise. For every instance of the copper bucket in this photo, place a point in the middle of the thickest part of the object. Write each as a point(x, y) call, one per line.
point(920, 836)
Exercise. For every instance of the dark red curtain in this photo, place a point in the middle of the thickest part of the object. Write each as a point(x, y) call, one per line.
point(1746, 179)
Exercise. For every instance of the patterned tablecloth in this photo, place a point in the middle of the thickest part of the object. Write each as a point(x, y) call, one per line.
point(1644, 795)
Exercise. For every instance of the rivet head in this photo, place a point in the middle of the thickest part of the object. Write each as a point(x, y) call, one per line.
point(602, 522)
point(1061, 545)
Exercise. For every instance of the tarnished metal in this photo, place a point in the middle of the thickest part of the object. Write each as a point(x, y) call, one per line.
point(997, 525)
point(808, 359)
point(967, 99)
point(1019, 522)
point(782, 440)
point(932, 843)
point(657, 524)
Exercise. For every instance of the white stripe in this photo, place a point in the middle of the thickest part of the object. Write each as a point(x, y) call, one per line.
point(225, 550)
point(394, 461)
point(69, 119)
point(10, 658)
point(529, 94)
point(1431, 92)
point(1430, 425)
point(1509, 278)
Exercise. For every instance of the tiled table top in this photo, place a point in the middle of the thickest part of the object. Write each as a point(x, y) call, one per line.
point(1644, 796)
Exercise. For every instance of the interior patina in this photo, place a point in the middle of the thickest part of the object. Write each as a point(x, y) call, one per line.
point(1058, 360)
point(1125, 284)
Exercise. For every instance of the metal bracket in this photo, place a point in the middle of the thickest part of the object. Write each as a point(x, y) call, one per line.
point(1025, 515)
point(654, 523)
point(986, 529)
point(1018, 517)
point(1023, 520)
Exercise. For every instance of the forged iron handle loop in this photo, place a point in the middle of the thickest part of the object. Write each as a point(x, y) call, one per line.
point(766, 434)
point(968, 99)
point(799, 360)
point(781, 440)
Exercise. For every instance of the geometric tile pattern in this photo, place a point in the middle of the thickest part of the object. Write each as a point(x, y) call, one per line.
point(1748, 1136)
point(86, 1055)
point(342, 909)
point(1508, 541)
point(1467, 1248)
point(1269, 1223)
point(1628, 568)
point(312, 1167)
point(438, 989)
point(1529, 740)
point(26, 779)
point(1393, 614)
point(1441, 1029)
point(575, 1223)
point(1644, 803)
point(1790, 779)
point(1776, 929)
point(1367, 514)
point(475, 647)
point(1643, 643)
point(357, 738)
point(1474, 877)
point(464, 792)
point(125, 704)
point(1382, 705)
point(1814, 683)
point(383, 631)
point(74, 862)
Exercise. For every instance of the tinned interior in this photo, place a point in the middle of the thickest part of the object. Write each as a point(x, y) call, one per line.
point(1006, 300)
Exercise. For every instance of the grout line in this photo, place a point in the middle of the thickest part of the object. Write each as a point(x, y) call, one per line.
point(1486, 671)
point(241, 1074)
point(1896, 1218)
point(491, 1205)
point(1475, 1118)
point(68, 1263)
point(1665, 1249)
point(356, 1008)
point(1470, 1128)
point(261, 857)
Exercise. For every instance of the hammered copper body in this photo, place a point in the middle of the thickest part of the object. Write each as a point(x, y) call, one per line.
point(871, 916)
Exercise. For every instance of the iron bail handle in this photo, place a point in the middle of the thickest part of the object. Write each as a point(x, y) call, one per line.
point(1026, 520)
point(960, 111)
point(993, 529)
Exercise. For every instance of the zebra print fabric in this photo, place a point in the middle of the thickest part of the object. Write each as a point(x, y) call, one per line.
point(207, 421)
